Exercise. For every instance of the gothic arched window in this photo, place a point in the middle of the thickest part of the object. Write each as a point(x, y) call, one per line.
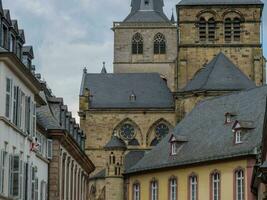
point(211, 29)
point(159, 44)
point(162, 130)
point(127, 131)
point(137, 44)
point(202, 26)
point(237, 29)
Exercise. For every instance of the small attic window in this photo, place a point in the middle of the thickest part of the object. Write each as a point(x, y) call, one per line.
point(132, 97)
point(146, 2)
point(176, 144)
point(229, 117)
point(174, 148)
point(238, 139)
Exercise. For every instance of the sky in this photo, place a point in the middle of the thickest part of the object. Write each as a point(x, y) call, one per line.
point(68, 35)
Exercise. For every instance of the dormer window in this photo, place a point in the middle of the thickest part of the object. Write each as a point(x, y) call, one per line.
point(176, 143)
point(173, 148)
point(132, 97)
point(229, 117)
point(146, 2)
point(238, 137)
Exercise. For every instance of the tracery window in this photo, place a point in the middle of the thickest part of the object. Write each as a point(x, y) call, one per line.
point(127, 131)
point(162, 130)
point(137, 44)
point(159, 44)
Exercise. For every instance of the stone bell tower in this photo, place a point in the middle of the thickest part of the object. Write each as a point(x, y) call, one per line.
point(146, 41)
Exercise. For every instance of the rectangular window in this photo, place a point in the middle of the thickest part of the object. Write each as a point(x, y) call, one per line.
point(43, 190)
point(33, 105)
point(26, 180)
point(173, 148)
point(5, 37)
point(173, 189)
point(15, 105)
point(12, 43)
point(3, 166)
point(193, 188)
point(19, 51)
point(49, 149)
point(240, 192)
point(238, 137)
point(8, 97)
point(154, 190)
point(15, 175)
point(33, 178)
point(136, 191)
point(27, 115)
point(216, 186)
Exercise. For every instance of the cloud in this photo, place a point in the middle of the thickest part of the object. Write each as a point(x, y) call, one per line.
point(68, 35)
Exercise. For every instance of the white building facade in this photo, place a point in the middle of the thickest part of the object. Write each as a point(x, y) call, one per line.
point(23, 150)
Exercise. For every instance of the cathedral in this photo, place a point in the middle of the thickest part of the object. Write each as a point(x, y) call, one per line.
point(164, 72)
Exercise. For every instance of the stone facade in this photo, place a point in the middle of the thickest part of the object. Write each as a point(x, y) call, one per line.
point(126, 62)
point(245, 53)
point(102, 124)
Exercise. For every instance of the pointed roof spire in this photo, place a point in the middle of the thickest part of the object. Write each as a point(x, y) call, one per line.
point(220, 74)
point(172, 17)
point(104, 71)
point(147, 11)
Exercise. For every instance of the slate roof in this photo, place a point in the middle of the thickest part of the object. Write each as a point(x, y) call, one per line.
point(153, 12)
point(115, 143)
point(114, 90)
point(219, 2)
point(209, 138)
point(45, 117)
point(220, 74)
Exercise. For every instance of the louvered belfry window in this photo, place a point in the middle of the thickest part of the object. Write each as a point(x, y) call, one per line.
point(159, 44)
point(211, 29)
point(137, 44)
point(232, 29)
point(202, 29)
point(237, 29)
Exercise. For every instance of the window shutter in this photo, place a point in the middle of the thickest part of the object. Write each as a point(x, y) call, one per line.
point(10, 181)
point(8, 98)
point(1, 169)
point(15, 176)
point(49, 149)
point(33, 119)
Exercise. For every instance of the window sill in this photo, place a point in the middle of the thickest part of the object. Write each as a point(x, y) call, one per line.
point(40, 156)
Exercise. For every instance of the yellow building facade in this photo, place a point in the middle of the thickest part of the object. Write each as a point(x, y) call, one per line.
point(203, 172)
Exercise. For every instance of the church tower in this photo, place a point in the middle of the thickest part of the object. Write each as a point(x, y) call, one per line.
point(146, 42)
point(207, 28)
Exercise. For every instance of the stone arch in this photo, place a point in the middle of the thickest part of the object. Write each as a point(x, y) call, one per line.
point(138, 134)
point(232, 13)
point(207, 14)
point(151, 133)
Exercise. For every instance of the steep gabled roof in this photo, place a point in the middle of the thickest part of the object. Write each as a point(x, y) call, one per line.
point(7, 16)
point(209, 138)
point(220, 74)
point(147, 12)
point(219, 2)
point(114, 90)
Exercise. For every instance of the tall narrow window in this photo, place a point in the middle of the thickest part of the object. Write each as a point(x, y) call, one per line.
point(193, 187)
point(12, 43)
point(5, 37)
point(159, 44)
point(154, 190)
point(237, 29)
point(3, 165)
point(137, 44)
point(174, 148)
point(8, 98)
point(173, 189)
point(202, 25)
point(238, 137)
point(211, 29)
point(15, 105)
point(15, 166)
point(228, 29)
point(136, 191)
point(216, 181)
point(240, 186)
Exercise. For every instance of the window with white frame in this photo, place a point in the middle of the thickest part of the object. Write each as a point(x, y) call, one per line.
point(154, 190)
point(173, 189)
point(12, 43)
point(173, 148)
point(239, 185)
point(8, 98)
point(238, 139)
point(193, 187)
point(136, 191)
point(43, 190)
point(33, 122)
point(14, 175)
point(216, 186)
point(3, 166)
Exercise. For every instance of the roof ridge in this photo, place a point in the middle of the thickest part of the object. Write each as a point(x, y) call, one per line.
point(212, 68)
